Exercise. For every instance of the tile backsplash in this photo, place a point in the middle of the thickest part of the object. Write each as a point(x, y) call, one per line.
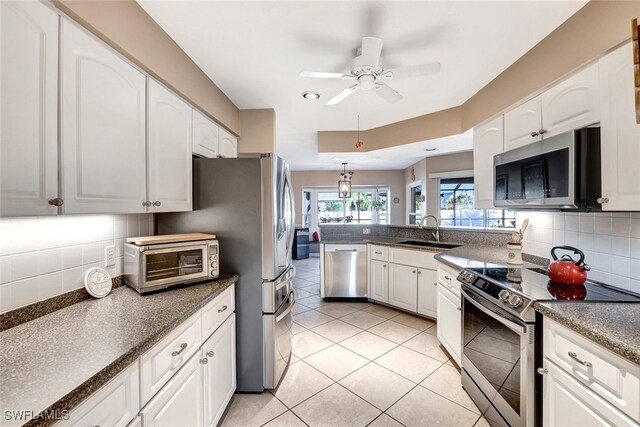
point(41, 257)
point(610, 242)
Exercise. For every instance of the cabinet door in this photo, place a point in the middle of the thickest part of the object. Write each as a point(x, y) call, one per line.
point(227, 144)
point(219, 371)
point(29, 108)
point(181, 402)
point(572, 104)
point(403, 286)
point(205, 136)
point(522, 124)
point(169, 150)
point(379, 281)
point(427, 292)
point(620, 137)
point(565, 402)
point(102, 127)
point(487, 142)
point(449, 323)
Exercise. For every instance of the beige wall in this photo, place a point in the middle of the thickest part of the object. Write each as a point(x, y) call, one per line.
point(435, 164)
point(258, 131)
point(394, 179)
point(125, 26)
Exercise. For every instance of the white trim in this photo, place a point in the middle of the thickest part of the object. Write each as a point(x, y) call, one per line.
point(408, 206)
point(452, 174)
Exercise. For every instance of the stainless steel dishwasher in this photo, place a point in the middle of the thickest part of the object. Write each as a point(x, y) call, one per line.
point(344, 268)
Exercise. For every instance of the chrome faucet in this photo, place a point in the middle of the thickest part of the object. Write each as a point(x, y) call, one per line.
point(423, 222)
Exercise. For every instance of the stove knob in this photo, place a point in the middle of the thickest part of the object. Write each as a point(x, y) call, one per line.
point(504, 295)
point(515, 301)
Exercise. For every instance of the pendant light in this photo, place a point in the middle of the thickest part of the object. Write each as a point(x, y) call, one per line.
point(344, 183)
point(359, 142)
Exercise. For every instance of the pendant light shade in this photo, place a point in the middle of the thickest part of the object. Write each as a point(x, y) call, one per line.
point(344, 183)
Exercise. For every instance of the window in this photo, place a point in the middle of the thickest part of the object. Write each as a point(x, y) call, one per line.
point(457, 207)
point(366, 205)
point(416, 203)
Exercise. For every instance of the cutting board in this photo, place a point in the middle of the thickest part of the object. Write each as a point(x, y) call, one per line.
point(169, 238)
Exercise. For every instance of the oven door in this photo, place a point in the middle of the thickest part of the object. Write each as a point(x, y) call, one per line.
point(164, 266)
point(498, 355)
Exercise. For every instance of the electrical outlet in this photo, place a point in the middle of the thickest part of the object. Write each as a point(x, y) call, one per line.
point(366, 231)
point(109, 256)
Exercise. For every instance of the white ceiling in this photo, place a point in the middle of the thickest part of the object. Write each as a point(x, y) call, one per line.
point(255, 50)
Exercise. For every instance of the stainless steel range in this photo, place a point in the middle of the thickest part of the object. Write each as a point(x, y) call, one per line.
point(500, 340)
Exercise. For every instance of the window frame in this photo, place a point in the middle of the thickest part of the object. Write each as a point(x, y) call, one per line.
point(313, 219)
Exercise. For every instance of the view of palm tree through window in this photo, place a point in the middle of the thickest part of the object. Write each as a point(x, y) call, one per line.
point(365, 206)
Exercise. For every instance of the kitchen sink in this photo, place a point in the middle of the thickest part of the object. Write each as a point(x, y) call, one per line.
point(441, 245)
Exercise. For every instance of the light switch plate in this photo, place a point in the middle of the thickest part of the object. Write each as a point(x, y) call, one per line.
point(109, 256)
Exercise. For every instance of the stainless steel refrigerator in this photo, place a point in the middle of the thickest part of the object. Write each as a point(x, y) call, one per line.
point(248, 203)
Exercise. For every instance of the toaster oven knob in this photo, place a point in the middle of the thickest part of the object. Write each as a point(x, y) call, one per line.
point(504, 295)
point(213, 265)
point(515, 301)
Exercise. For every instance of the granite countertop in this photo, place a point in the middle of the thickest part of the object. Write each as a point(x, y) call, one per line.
point(56, 361)
point(615, 326)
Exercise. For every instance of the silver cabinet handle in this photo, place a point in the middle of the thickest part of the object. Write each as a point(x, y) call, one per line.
point(56, 202)
point(602, 200)
point(582, 362)
point(210, 353)
point(177, 352)
point(542, 371)
point(224, 307)
point(204, 361)
point(542, 131)
point(157, 203)
point(534, 134)
point(378, 253)
point(447, 277)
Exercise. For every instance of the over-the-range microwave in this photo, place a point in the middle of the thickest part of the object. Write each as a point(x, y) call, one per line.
point(560, 172)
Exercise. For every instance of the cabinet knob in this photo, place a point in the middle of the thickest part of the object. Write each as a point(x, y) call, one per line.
point(204, 361)
point(459, 308)
point(146, 203)
point(419, 272)
point(602, 200)
point(542, 131)
point(56, 202)
point(210, 353)
point(534, 134)
point(435, 283)
point(413, 271)
point(157, 203)
point(542, 371)
point(447, 277)
point(384, 265)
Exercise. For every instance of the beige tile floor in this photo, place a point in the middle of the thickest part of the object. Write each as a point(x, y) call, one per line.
point(358, 364)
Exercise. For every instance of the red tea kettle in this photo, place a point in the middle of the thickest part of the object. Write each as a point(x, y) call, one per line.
point(566, 270)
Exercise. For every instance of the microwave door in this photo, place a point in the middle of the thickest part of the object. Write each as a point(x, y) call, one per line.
point(535, 184)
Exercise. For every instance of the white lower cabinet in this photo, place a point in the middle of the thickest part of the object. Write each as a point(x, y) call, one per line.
point(403, 286)
point(219, 371)
point(379, 281)
point(427, 292)
point(449, 324)
point(137, 422)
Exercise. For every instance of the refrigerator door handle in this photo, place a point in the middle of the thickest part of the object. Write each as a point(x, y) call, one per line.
point(292, 301)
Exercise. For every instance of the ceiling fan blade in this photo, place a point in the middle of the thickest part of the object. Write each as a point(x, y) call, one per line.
point(320, 75)
point(415, 70)
point(342, 95)
point(387, 93)
point(371, 50)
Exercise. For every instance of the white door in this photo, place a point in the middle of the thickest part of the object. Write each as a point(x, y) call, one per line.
point(427, 292)
point(379, 279)
point(566, 402)
point(487, 142)
point(449, 322)
point(219, 371)
point(522, 124)
point(102, 127)
point(403, 287)
point(29, 108)
point(205, 136)
point(620, 136)
point(228, 144)
point(571, 104)
point(169, 150)
point(181, 401)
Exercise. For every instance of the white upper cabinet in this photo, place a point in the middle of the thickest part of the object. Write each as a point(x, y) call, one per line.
point(102, 127)
point(228, 144)
point(170, 122)
point(205, 136)
point(29, 106)
point(572, 103)
point(487, 142)
point(522, 124)
point(620, 136)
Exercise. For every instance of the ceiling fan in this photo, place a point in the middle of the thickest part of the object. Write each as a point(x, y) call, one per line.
point(369, 74)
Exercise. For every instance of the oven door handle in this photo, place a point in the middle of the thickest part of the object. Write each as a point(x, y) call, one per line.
point(521, 329)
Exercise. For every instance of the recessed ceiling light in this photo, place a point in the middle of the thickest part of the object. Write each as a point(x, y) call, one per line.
point(310, 95)
point(430, 149)
point(375, 158)
point(338, 158)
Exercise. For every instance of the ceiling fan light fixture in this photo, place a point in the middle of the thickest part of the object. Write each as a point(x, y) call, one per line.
point(310, 95)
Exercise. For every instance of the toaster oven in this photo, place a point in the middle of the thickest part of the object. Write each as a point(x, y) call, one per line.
point(150, 267)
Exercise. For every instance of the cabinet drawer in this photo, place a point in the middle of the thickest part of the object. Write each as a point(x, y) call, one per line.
point(447, 277)
point(160, 363)
point(114, 404)
point(420, 259)
point(381, 253)
point(217, 311)
point(610, 376)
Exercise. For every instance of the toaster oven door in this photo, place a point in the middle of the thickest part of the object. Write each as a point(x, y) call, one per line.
point(173, 265)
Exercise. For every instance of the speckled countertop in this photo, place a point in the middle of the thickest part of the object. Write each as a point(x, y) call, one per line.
point(384, 241)
point(56, 361)
point(615, 326)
